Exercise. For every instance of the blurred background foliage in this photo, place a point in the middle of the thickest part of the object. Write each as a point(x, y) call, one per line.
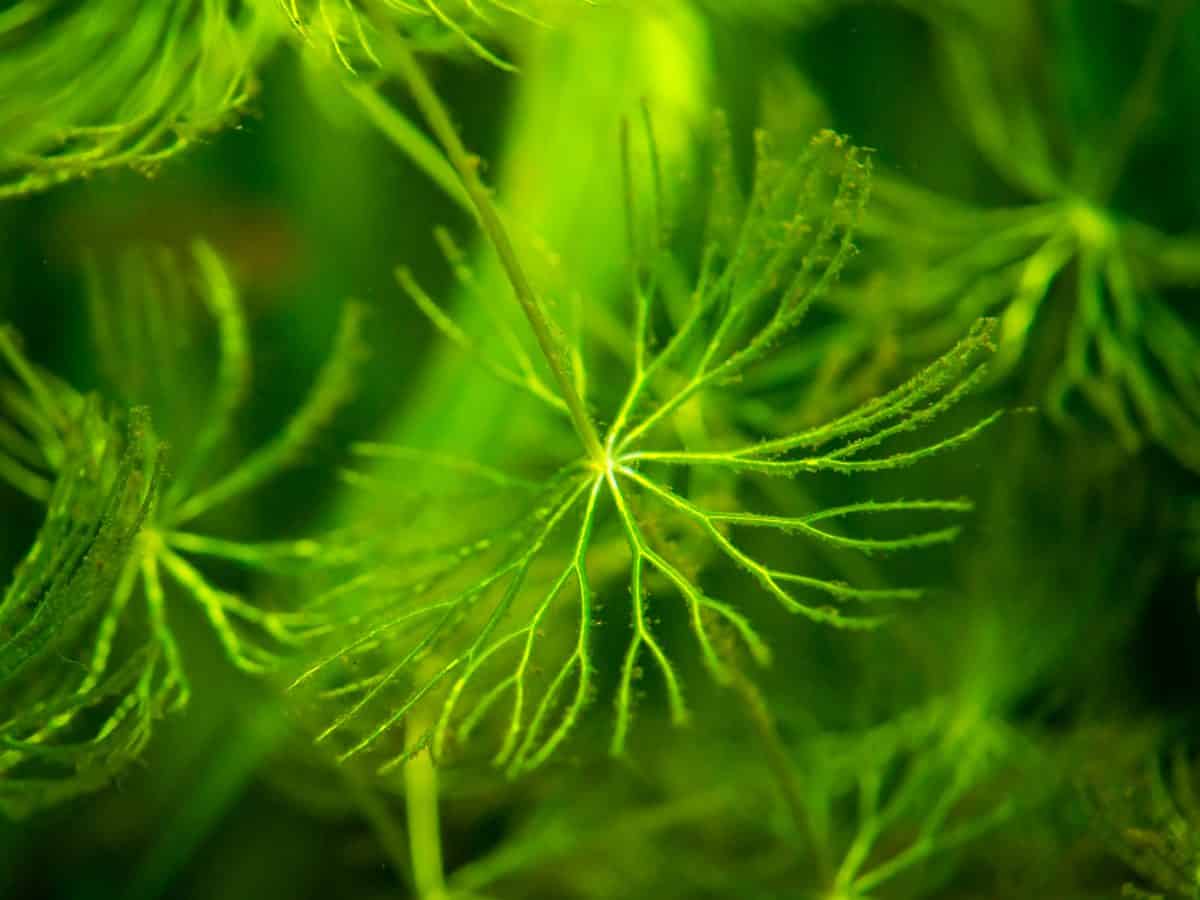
point(1030, 729)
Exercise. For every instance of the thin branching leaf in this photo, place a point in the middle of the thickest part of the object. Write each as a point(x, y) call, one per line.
point(124, 84)
point(112, 557)
point(1126, 359)
point(481, 605)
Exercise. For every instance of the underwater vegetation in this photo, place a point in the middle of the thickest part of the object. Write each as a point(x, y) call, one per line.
point(472, 449)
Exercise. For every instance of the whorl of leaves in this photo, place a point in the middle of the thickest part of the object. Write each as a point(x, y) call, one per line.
point(478, 607)
point(118, 547)
point(1068, 277)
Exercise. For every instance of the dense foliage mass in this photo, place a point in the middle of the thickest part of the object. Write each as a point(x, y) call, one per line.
point(764, 461)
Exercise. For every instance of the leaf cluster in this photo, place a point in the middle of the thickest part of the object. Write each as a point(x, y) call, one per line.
point(118, 545)
point(1085, 294)
point(122, 84)
point(755, 410)
point(456, 632)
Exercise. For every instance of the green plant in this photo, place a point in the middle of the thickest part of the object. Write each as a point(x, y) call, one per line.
point(348, 29)
point(130, 85)
point(1152, 823)
point(117, 534)
point(1066, 271)
point(666, 478)
point(711, 567)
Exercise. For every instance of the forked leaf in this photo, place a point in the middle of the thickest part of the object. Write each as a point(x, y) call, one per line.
point(68, 729)
point(1065, 273)
point(922, 786)
point(480, 614)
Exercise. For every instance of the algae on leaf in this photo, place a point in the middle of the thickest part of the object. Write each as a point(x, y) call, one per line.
point(67, 729)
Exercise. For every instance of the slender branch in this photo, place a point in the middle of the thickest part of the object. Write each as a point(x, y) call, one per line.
point(777, 758)
point(641, 552)
point(421, 151)
point(375, 809)
point(467, 166)
point(421, 803)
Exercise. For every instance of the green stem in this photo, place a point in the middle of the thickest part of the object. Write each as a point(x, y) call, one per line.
point(763, 724)
point(375, 808)
point(467, 167)
point(420, 150)
point(421, 803)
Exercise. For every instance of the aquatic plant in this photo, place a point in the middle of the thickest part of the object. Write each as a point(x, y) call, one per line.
point(647, 481)
point(1066, 271)
point(346, 29)
point(118, 539)
point(1152, 823)
point(132, 84)
point(675, 538)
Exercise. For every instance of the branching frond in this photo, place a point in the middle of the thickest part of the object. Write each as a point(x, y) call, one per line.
point(157, 296)
point(492, 627)
point(520, 373)
point(136, 311)
point(90, 87)
point(1128, 361)
point(113, 553)
point(68, 729)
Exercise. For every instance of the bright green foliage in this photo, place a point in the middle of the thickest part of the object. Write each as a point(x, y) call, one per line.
point(1153, 824)
point(350, 29)
point(67, 729)
point(459, 622)
point(563, 535)
point(90, 86)
point(117, 543)
point(139, 312)
point(1126, 356)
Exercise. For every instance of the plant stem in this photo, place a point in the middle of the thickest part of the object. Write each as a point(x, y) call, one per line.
point(467, 167)
point(375, 808)
point(421, 804)
point(420, 150)
point(764, 729)
point(763, 723)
